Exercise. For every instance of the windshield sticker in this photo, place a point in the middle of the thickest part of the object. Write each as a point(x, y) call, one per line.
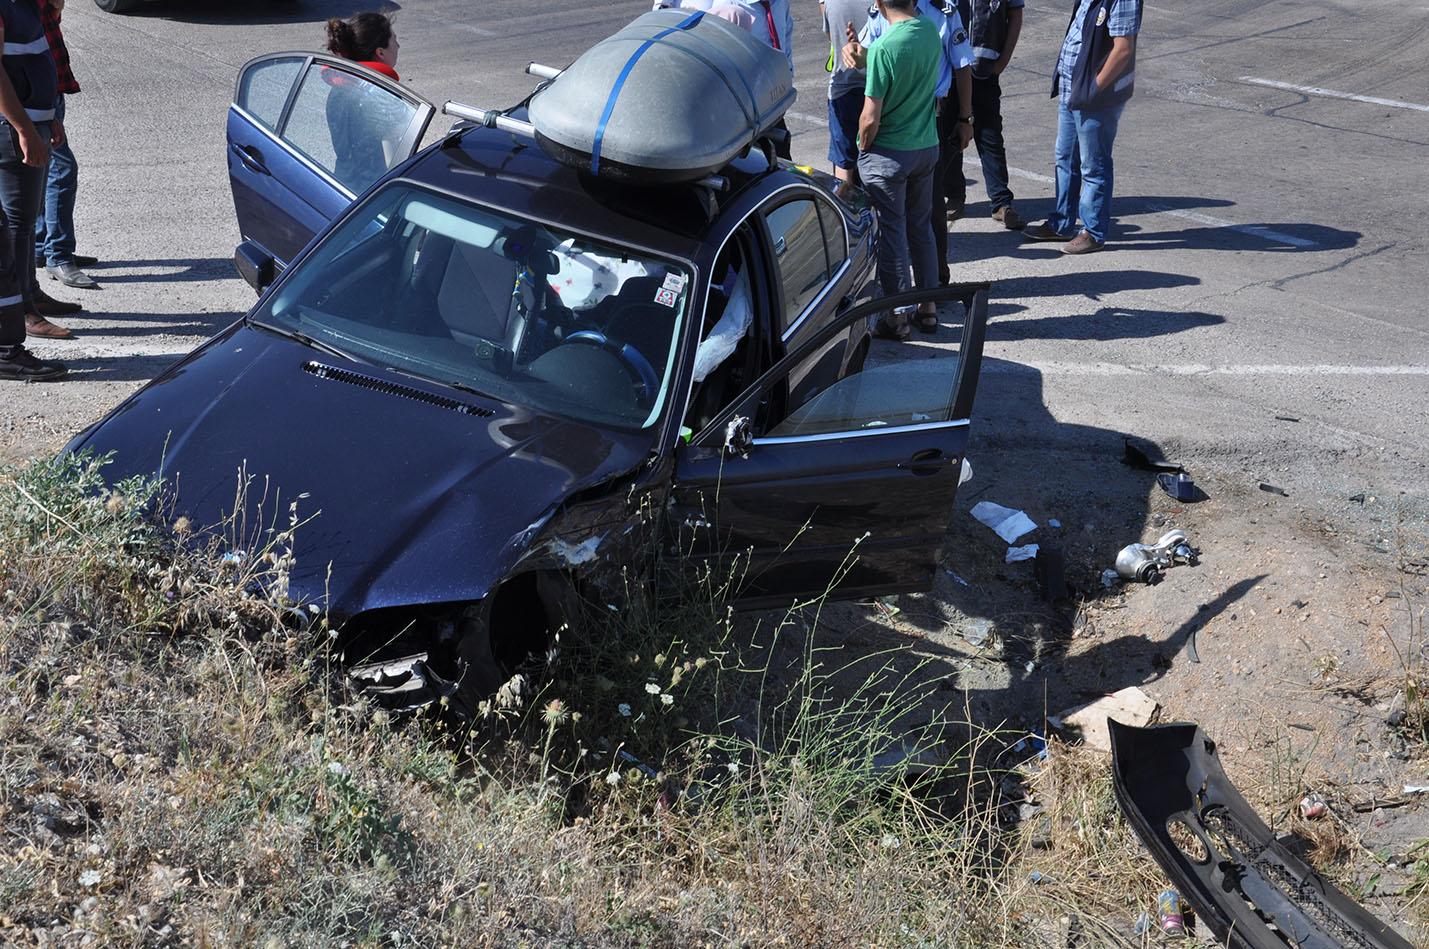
point(666, 297)
point(674, 282)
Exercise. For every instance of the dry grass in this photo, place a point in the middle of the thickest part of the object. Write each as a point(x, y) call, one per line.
point(179, 764)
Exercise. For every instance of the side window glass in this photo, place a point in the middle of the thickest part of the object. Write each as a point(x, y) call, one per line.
point(799, 253)
point(835, 237)
point(263, 90)
point(348, 126)
point(896, 385)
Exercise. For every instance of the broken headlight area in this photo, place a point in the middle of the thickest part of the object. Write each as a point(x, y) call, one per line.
point(1244, 883)
point(406, 658)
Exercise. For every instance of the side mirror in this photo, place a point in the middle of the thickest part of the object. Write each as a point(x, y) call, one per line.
point(738, 437)
point(254, 265)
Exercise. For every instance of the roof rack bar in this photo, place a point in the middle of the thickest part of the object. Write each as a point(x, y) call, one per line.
point(490, 118)
point(542, 72)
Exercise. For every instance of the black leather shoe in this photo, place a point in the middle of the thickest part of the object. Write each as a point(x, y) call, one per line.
point(46, 305)
point(24, 367)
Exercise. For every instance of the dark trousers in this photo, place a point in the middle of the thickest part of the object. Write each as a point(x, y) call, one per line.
point(987, 134)
point(21, 188)
point(949, 166)
point(54, 227)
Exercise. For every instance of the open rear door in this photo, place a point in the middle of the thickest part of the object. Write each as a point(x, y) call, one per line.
point(835, 474)
point(306, 134)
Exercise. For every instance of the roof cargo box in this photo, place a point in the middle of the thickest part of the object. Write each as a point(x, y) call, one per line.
point(672, 97)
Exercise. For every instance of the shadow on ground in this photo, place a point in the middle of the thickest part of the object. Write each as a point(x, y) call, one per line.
point(1022, 458)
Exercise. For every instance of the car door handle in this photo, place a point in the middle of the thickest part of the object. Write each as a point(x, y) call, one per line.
point(929, 461)
point(251, 157)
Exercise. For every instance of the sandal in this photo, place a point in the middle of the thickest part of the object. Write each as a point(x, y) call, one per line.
point(927, 322)
point(882, 329)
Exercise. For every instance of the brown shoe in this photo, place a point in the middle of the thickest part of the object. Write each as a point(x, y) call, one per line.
point(37, 325)
point(46, 305)
point(1044, 232)
point(1082, 244)
point(1008, 217)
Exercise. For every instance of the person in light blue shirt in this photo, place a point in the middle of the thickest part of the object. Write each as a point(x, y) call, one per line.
point(1094, 79)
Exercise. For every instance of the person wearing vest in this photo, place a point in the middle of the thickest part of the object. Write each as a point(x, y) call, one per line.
point(954, 107)
point(28, 127)
point(845, 87)
point(1095, 74)
point(995, 26)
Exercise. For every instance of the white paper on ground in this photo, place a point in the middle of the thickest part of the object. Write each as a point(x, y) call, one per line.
point(1007, 523)
point(1014, 554)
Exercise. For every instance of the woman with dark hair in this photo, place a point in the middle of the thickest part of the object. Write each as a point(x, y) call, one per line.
point(368, 39)
point(361, 117)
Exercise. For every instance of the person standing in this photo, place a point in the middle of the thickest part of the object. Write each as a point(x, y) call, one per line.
point(845, 87)
point(995, 26)
point(769, 21)
point(954, 109)
point(898, 148)
point(54, 223)
point(1096, 72)
point(27, 129)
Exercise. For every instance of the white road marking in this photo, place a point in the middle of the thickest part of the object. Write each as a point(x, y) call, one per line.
point(1255, 230)
point(1332, 94)
point(1193, 369)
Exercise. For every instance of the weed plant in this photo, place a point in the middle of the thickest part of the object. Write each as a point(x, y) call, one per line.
point(182, 763)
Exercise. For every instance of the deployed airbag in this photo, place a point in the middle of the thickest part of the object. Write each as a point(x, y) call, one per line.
point(672, 97)
point(1243, 883)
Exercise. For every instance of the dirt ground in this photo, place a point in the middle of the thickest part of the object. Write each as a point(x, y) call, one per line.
point(1290, 641)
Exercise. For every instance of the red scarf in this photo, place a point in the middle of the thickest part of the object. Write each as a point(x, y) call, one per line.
point(382, 68)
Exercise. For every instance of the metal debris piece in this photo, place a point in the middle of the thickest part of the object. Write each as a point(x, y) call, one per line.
point(1143, 563)
point(1269, 488)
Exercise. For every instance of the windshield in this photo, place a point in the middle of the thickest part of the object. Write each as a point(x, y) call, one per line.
point(461, 295)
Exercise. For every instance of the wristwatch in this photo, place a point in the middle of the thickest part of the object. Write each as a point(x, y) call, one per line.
point(966, 118)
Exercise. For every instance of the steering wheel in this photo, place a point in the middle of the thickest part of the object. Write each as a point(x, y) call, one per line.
point(630, 357)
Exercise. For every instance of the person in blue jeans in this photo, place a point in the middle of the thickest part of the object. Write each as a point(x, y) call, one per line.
point(54, 224)
point(1096, 72)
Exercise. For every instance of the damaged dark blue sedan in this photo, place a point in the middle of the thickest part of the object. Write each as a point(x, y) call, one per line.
point(496, 382)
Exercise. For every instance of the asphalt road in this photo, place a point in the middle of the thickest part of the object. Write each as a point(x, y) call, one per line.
point(1260, 309)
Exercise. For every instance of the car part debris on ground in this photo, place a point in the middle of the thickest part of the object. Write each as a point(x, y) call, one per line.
point(1007, 523)
point(1144, 563)
point(1250, 889)
point(1269, 488)
point(1129, 706)
point(1179, 486)
point(1134, 456)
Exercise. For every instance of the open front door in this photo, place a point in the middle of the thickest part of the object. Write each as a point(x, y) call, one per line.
point(306, 134)
point(834, 473)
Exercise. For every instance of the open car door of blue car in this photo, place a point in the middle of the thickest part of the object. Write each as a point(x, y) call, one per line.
point(308, 133)
point(836, 473)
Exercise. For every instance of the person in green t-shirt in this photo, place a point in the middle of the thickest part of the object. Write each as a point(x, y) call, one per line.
point(898, 149)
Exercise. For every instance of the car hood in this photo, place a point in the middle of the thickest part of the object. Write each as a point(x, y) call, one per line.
point(403, 492)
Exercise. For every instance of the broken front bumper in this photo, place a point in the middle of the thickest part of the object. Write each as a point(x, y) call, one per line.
point(1243, 883)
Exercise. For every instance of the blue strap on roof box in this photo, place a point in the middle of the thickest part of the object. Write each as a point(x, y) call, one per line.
point(672, 97)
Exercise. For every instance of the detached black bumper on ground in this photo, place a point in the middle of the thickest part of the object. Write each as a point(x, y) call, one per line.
point(1243, 883)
